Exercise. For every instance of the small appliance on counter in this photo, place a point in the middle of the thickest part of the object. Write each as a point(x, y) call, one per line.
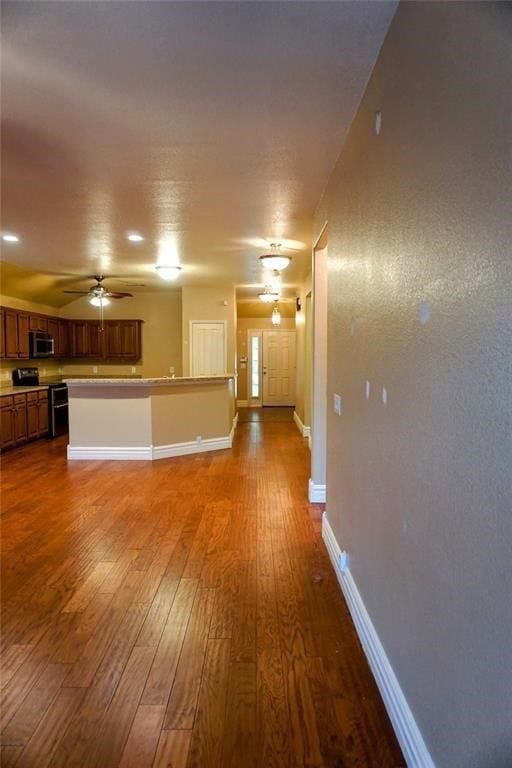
point(57, 399)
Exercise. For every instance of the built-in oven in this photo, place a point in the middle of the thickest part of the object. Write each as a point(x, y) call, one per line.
point(58, 410)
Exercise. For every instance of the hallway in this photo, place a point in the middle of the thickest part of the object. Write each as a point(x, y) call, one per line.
point(179, 613)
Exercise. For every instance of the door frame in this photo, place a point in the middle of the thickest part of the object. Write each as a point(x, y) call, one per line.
point(317, 489)
point(254, 402)
point(191, 324)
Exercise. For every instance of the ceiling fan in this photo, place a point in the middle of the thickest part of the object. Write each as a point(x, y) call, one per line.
point(99, 294)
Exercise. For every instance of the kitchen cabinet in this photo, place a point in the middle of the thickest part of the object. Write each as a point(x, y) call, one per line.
point(82, 339)
point(6, 422)
point(2, 333)
point(23, 417)
point(16, 327)
point(122, 339)
point(42, 412)
point(20, 419)
point(32, 415)
point(62, 342)
point(38, 323)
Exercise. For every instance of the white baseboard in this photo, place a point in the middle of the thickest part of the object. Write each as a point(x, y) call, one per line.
point(408, 734)
point(305, 431)
point(316, 492)
point(242, 404)
point(99, 453)
point(150, 453)
point(184, 449)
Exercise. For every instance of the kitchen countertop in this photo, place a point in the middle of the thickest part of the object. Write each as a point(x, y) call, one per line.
point(162, 381)
point(20, 390)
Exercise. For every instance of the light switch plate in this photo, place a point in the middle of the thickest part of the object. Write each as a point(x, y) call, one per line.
point(337, 404)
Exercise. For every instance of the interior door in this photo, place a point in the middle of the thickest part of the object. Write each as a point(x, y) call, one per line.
point(208, 348)
point(278, 367)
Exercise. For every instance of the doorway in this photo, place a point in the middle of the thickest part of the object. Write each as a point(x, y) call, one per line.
point(271, 368)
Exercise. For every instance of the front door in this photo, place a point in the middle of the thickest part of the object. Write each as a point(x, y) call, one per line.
point(279, 367)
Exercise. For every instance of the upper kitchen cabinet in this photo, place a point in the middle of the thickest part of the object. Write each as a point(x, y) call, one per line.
point(123, 339)
point(38, 323)
point(16, 327)
point(119, 339)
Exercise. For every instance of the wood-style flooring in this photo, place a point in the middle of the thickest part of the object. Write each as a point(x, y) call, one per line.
point(180, 613)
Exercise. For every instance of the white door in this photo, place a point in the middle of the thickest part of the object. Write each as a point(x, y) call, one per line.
point(278, 367)
point(208, 348)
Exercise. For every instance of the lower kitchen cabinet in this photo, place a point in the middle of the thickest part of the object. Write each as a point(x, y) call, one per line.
point(23, 417)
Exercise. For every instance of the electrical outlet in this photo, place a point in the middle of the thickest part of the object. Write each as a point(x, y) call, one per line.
point(95, 369)
point(337, 404)
point(171, 369)
point(199, 439)
point(134, 369)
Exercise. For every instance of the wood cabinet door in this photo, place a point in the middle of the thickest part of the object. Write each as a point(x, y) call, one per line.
point(2, 333)
point(11, 333)
point(36, 323)
point(23, 328)
point(42, 407)
point(130, 339)
point(96, 334)
point(20, 420)
point(113, 346)
point(32, 419)
point(6, 422)
point(53, 330)
point(80, 345)
point(63, 339)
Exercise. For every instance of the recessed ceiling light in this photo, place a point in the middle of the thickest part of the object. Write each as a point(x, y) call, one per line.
point(134, 237)
point(10, 237)
point(167, 272)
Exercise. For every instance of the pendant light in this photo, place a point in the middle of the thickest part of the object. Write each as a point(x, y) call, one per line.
point(167, 272)
point(276, 316)
point(268, 295)
point(275, 260)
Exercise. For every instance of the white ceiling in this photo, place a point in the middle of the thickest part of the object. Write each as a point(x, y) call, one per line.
point(209, 127)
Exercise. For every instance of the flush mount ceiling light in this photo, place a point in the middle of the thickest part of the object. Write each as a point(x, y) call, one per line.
point(167, 272)
point(268, 295)
point(276, 316)
point(10, 237)
point(275, 260)
point(134, 237)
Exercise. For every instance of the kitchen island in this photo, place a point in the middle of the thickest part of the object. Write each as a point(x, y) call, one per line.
point(147, 419)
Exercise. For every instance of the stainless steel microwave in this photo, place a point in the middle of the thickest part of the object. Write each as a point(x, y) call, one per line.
point(41, 345)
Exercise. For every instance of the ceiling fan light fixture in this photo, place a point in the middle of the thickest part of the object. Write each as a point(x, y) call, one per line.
point(275, 260)
point(99, 301)
point(167, 272)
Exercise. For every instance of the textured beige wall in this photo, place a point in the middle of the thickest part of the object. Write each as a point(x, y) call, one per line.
point(161, 332)
point(419, 491)
point(208, 304)
point(245, 324)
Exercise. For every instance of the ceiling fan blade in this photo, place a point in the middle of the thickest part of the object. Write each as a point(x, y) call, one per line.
point(81, 293)
point(117, 294)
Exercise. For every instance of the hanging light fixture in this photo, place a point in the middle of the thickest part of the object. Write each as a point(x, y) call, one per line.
point(276, 316)
point(268, 295)
point(275, 259)
point(167, 272)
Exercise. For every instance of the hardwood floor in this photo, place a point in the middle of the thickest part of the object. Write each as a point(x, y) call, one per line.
point(178, 613)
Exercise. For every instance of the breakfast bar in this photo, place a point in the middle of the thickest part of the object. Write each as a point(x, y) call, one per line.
point(147, 419)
